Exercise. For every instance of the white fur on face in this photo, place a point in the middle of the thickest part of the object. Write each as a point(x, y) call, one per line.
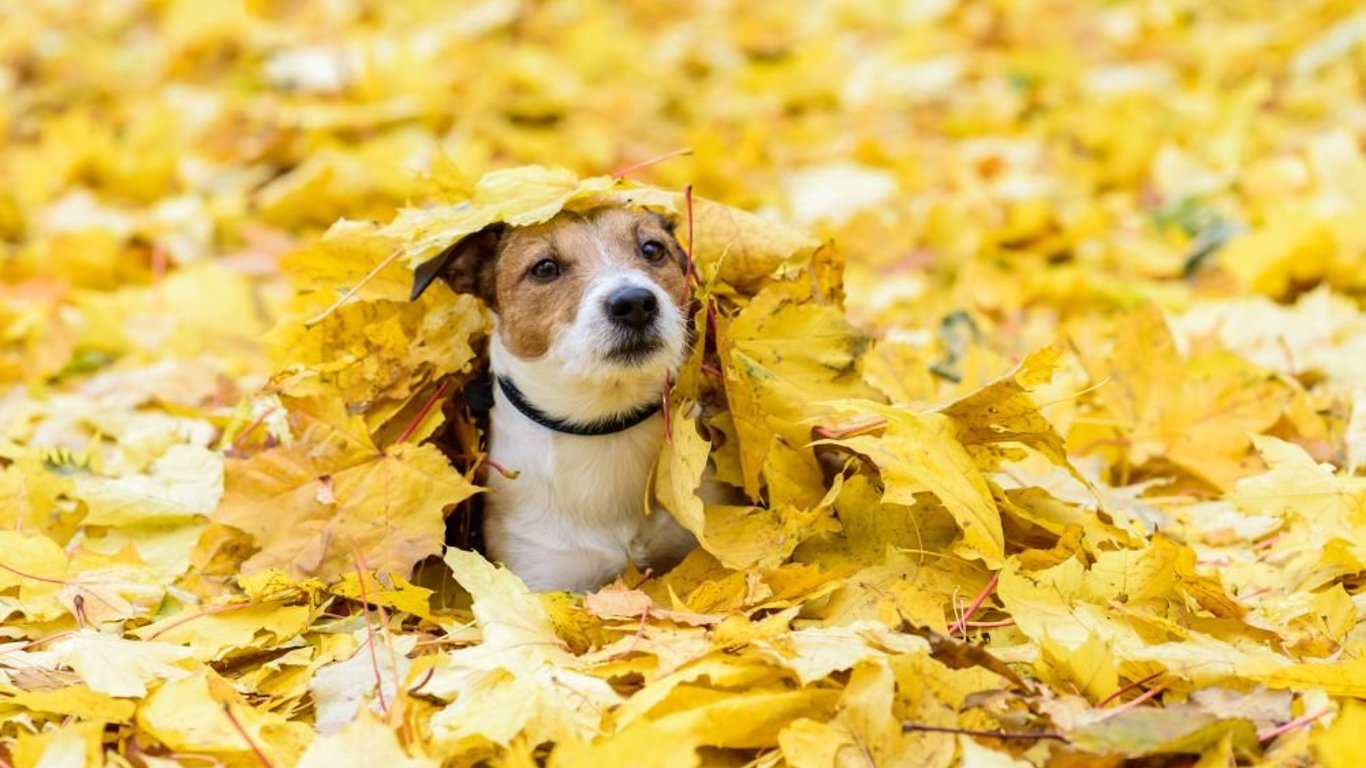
point(578, 378)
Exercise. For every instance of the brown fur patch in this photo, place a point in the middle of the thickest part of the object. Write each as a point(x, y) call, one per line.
point(586, 245)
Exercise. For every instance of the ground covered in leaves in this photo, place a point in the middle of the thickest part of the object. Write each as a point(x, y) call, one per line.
point(1031, 332)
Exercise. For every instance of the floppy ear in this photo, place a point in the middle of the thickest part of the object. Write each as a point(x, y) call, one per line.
point(466, 265)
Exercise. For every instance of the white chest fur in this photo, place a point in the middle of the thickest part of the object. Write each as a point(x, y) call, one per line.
point(576, 510)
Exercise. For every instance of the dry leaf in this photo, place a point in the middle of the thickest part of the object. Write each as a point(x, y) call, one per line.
point(1026, 396)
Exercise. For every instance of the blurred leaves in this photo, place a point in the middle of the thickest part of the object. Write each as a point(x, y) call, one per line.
point(1025, 422)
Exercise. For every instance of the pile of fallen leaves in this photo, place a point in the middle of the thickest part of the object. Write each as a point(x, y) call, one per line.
point(1031, 332)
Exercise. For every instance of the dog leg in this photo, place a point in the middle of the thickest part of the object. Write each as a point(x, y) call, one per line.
point(661, 543)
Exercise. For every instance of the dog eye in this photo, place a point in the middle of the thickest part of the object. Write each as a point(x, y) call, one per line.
point(545, 269)
point(653, 251)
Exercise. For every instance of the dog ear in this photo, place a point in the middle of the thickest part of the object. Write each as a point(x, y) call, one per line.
point(466, 265)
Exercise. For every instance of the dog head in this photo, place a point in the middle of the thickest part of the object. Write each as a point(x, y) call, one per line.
point(595, 296)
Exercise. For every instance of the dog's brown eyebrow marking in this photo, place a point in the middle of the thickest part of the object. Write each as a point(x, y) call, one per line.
point(588, 244)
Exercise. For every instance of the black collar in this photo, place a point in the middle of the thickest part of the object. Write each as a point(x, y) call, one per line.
point(591, 429)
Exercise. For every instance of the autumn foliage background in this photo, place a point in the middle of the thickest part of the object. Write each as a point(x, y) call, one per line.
point(1031, 331)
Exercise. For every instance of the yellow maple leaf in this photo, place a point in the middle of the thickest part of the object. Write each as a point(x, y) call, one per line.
point(375, 350)
point(184, 482)
point(518, 680)
point(1195, 412)
point(202, 713)
point(78, 701)
point(1325, 512)
point(782, 358)
point(118, 667)
point(29, 497)
point(920, 452)
point(77, 745)
point(313, 504)
point(742, 250)
point(1340, 746)
point(1294, 248)
point(1004, 412)
point(364, 741)
point(699, 716)
point(212, 634)
point(37, 567)
point(739, 536)
point(516, 196)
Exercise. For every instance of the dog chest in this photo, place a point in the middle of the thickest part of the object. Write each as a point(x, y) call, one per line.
point(598, 483)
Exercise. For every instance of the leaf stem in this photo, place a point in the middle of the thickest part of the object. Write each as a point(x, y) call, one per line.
point(961, 626)
point(370, 634)
point(694, 277)
point(199, 615)
point(668, 409)
point(851, 430)
point(1139, 699)
point(1135, 684)
point(353, 290)
point(1270, 734)
point(49, 580)
point(630, 169)
point(426, 409)
point(388, 641)
point(1030, 735)
point(44, 579)
point(252, 427)
point(256, 749)
point(635, 639)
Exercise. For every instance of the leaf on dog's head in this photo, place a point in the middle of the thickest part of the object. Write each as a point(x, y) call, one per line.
point(741, 249)
point(516, 196)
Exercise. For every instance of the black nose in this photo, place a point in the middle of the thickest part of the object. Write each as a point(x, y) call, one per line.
point(633, 307)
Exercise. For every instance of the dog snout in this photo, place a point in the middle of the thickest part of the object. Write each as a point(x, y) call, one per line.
point(633, 307)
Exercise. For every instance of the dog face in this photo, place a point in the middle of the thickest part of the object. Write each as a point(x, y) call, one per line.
point(596, 295)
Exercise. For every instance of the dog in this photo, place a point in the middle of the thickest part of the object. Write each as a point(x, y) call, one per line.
point(590, 321)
